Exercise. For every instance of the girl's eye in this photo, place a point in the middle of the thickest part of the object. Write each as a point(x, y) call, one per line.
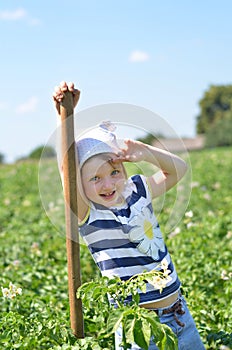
point(115, 172)
point(94, 178)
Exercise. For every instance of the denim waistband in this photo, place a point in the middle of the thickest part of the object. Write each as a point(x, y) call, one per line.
point(175, 308)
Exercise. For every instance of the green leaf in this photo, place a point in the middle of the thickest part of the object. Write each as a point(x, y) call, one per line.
point(171, 342)
point(166, 340)
point(142, 333)
point(156, 328)
point(114, 320)
point(129, 325)
point(136, 298)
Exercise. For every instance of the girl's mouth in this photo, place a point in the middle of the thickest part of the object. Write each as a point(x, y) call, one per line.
point(108, 195)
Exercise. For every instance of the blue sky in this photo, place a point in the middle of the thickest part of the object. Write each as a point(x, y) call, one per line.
point(158, 55)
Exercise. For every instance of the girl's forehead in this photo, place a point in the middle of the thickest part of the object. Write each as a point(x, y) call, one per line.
point(97, 162)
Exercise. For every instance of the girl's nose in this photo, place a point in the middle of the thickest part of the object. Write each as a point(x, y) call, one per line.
point(108, 184)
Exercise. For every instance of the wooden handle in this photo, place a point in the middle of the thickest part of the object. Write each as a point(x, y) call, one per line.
point(71, 210)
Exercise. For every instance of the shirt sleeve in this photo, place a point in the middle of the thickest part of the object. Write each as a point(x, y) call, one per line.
point(146, 186)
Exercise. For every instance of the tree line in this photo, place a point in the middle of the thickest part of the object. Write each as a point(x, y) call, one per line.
point(215, 118)
point(37, 153)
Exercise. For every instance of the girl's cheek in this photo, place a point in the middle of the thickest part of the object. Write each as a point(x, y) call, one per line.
point(121, 182)
point(95, 189)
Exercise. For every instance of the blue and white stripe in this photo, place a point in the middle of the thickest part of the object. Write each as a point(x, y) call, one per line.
point(106, 234)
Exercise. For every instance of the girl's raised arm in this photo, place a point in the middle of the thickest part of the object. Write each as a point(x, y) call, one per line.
point(58, 95)
point(172, 168)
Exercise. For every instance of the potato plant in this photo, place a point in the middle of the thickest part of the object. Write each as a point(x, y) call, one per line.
point(33, 280)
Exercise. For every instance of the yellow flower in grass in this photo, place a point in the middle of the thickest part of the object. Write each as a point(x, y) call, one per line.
point(146, 232)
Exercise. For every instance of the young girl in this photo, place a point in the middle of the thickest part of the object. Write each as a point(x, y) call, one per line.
point(117, 221)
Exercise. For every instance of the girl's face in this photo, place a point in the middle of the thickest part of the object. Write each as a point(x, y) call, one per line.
point(103, 181)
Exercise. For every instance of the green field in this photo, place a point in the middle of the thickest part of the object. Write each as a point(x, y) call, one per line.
point(33, 252)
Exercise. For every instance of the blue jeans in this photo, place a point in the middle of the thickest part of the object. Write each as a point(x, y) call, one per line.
point(188, 336)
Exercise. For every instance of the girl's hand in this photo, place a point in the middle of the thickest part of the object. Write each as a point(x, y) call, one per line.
point(135, 151)
point(59, 91)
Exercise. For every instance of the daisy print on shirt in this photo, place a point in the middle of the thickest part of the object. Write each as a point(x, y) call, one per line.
point(150, 240)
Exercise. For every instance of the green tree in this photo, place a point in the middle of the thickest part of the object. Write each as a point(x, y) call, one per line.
point(46, 151)
point(1, 158)
point(220, 134)
point(150, 138)
point(215, 106)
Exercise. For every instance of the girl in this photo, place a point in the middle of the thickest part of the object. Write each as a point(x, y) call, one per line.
point(117, 221)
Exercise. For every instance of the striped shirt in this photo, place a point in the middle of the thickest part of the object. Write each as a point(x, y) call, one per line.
point(127, 240)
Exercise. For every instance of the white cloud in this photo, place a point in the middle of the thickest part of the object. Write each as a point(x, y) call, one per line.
point(13, 15)
point(139, 56)
point(28, 106)
point(18, 14)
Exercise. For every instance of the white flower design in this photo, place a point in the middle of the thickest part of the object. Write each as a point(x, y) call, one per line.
point(11, 292)
point(147, 234)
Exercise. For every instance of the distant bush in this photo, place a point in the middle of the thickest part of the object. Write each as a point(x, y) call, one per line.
point(1, 158)
point(220, 134)
point(47, 151)
point(150, 138)
point(215, 106)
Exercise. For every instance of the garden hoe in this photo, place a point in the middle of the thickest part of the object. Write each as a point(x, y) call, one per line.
point(70, 197)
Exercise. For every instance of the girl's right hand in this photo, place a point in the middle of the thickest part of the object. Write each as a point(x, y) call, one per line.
point(59, 91)
point(134, 151)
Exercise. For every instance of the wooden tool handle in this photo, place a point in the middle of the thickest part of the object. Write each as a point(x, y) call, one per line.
point(71, 210)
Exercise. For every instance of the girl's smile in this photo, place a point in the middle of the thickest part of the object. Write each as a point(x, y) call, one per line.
point(108, 196)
